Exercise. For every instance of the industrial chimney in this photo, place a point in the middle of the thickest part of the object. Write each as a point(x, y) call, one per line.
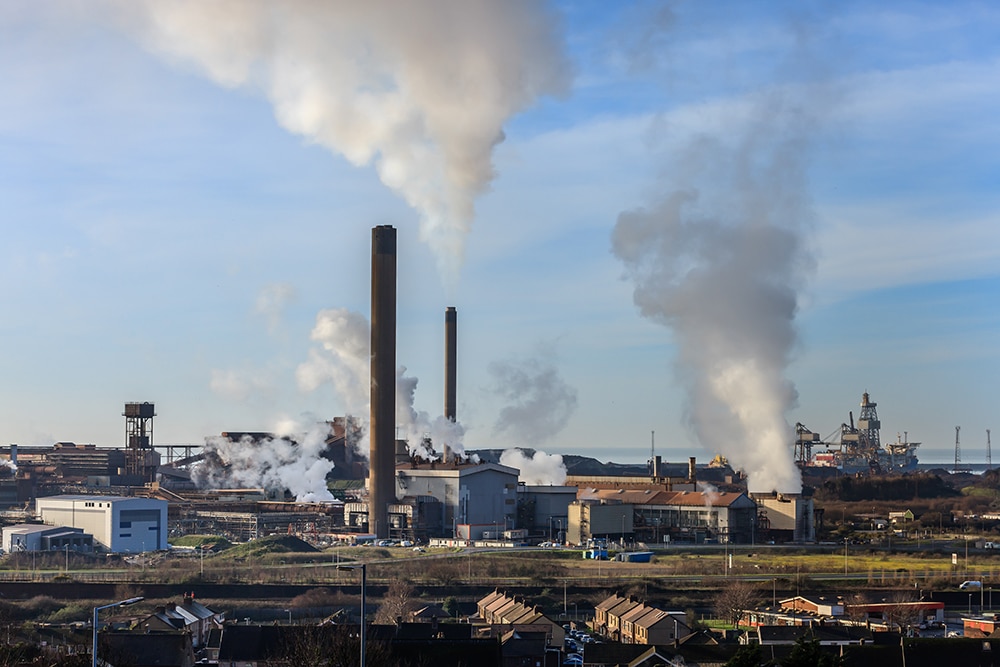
point(381, 476)
point(450, 369)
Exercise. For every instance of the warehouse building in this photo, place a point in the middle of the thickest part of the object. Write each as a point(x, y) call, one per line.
point(655, 516)
point(118, 525)
point(37, 537)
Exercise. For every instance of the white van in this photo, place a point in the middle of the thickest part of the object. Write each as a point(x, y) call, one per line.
point(965, 585)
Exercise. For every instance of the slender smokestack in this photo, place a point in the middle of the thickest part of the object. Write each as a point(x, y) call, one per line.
point(692, 470)
point(383, 380)
point(450, 368)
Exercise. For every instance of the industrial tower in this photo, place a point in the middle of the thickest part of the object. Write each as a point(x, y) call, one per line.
point(868, 431)
point(138, 440)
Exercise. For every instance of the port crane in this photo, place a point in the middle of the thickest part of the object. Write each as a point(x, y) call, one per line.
point(855, 447)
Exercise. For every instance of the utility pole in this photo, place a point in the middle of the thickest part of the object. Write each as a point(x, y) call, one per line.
point(958, 451)
point(989, 456)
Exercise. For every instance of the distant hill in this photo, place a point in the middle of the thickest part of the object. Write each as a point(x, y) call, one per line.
point(589, 466)
point(575, 465)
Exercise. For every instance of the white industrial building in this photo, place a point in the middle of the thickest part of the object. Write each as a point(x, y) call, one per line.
point(119, 525)
point(37, 537)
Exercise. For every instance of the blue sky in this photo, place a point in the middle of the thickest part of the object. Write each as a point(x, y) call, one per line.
point(145, 209)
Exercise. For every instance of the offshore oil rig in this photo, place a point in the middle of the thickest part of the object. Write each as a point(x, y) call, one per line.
point(856, 448)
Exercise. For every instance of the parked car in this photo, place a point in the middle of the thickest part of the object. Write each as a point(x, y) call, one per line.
point(966, 585)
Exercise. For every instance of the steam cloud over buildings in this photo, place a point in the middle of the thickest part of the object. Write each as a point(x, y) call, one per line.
point(416, 425)
point(539, 401)
point(342, 358)
point(719, 259)
point(275, 464)
point(419, 89)
point(538, 469)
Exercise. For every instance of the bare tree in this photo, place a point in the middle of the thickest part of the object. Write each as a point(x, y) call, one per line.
point(733, 601)
point(328, 646)
point(396, 603)
point(855, 609)
point(899, 611)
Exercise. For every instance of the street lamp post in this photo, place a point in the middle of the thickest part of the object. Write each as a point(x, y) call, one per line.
point(845, 557)
point(122, 603)
point(364, 590)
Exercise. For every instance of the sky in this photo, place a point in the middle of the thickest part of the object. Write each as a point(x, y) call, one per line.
point(684, 224)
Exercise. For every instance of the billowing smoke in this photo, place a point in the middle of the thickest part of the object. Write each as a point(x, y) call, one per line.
point(291, 462)
point(418, 426)
point(537, 470)
point(420, 89)
point(709, 493)
point(342, 359)
point(540, 401)
point(719, 259)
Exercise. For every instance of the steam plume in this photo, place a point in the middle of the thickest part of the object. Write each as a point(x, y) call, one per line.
point(292, 462)
point(420, 89)
point(417, 425)
point(718, 260)
point(538, 469)
point(343, 359)
point(540, 401)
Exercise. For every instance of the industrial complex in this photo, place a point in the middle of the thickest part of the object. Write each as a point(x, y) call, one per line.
point(133, 498)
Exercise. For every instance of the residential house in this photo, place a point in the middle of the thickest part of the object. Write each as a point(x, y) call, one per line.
point(190, 616)
point(504, 612)
point(631, 621)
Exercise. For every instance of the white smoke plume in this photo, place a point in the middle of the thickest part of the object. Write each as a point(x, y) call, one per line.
point(290, 461)
point(537, 470)
point(417, 425)
point(709, 493)
point(540, 402)
point(719, 260)
point(420, 89)
point(343, 360)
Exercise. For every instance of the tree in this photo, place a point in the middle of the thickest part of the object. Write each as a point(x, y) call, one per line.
point(395, 603)
point(746, 656)
point(733, 601)
point(899, 611)
point(328, 646)
point(807, 653)
point(450, 605)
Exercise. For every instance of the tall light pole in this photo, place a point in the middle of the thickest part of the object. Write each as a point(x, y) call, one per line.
point(364, 591)
point(845, 557)
point(122, 603)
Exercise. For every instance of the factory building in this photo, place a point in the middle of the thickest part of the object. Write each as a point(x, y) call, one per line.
point(786, 517)
point(654, 516)
point(481, 496)
point(37, 537)
point(118, 525)
point(544, 510)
